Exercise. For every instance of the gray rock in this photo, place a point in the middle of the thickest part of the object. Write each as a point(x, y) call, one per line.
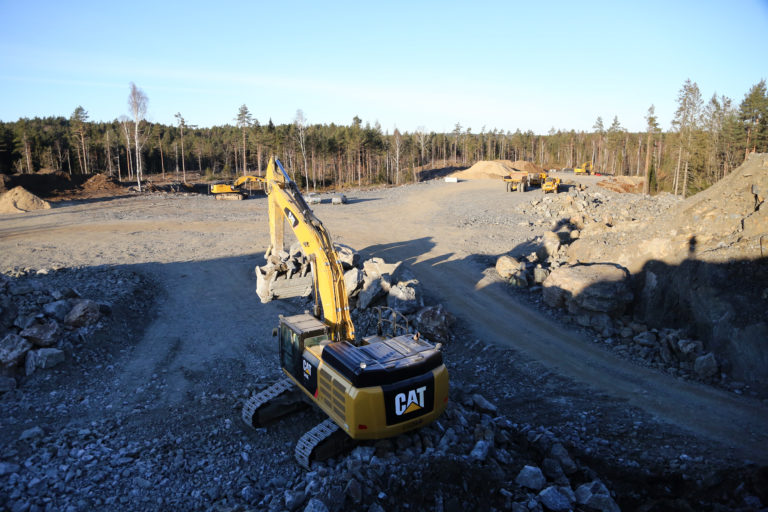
point(6, 468)
point(480, 451)
point(531, 477)
point(354, 491)
point(43, 358)
point(480, 403)
point(550, 244)
point(596, 496)
point(315, 505)
point(601, 288)
point(84, 312)
point(31, 433)
point(403, 299)
point(507, 266)
point(339, 199)
point(558, 452)
point(371, 292)
point(377, 267)
point(706, 366)
point(294, 499)
point(57, 309)
point(554, 499)
point(688, 350)
point(646, 339)
point(42, 334)
point(353, 279)
point(434, 322)
point(13, 348)
point(348, 257)
point(540, 275)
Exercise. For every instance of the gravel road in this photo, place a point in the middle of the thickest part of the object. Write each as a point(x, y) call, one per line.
point(175, 366)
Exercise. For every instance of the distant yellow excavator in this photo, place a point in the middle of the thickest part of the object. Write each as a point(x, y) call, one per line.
point(240, 189)
point(371, 388)
point(585, 168)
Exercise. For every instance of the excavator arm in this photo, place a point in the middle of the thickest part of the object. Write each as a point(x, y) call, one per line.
point(286, 204)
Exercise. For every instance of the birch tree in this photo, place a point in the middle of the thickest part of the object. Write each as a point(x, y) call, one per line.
point(301, 137)
point(137, 103)
point(244, 121)
point(125, 124)
point(78, 120)
point(182, 125)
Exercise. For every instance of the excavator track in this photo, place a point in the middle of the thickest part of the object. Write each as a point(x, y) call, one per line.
point(322, 442)
point(278, 400)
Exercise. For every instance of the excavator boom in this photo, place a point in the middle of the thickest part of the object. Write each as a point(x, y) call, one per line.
point(286, 204)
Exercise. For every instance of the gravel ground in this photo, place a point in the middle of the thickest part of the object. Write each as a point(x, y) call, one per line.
point(144, 412)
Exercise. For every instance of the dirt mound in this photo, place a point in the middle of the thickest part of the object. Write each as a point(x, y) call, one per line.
point(18, 200)
point(623, 184)
point(101, 183)
point(496, 169)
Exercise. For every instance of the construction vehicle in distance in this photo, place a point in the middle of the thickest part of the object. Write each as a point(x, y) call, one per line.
point(522, 180)
point(551, 184)
point(240, 189)
point(585, 168)
point(516, 180)
point(371, 388)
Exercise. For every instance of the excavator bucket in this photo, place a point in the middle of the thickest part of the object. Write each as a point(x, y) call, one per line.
point(285, 275)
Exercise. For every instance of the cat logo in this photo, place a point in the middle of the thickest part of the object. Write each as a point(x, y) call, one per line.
point(410, 402)
point(292, 220)
point(307, 369)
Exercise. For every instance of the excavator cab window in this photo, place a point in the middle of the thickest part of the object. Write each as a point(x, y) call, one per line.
point(290, 350)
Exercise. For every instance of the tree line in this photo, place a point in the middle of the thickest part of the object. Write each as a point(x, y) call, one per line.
point(704, 143)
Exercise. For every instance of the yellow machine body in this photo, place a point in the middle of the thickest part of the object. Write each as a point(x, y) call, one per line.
point(373, 389)
point(585, 168)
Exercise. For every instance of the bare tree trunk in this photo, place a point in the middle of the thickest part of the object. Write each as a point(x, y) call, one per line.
point(677, 170)
point(685, 177)
point(647, 173)
point(162, 161)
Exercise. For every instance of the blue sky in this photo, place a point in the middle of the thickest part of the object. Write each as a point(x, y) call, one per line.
point(504, 65)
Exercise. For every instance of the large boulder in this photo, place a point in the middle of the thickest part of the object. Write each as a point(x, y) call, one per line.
point(42, 334)
point(371, 292)
point(58, 309)
point(550, 243)
point(353, 279)
point(84, 312)
point(43, 358)
point(434, 322)
point(599, 288)
point(403, 298)
point(13, 348)
point(507, 266)
point(348, 257)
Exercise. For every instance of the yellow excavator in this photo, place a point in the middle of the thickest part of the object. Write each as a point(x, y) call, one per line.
point(240, 189)
point(585, 168)
point(370, 388)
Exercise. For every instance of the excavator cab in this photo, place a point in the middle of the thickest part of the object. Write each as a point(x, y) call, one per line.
point(295, 334)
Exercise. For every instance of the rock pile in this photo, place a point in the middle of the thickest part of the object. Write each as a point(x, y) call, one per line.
point(622, 304)
point(38, 325)
point(369, 284)
point(471, 459)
